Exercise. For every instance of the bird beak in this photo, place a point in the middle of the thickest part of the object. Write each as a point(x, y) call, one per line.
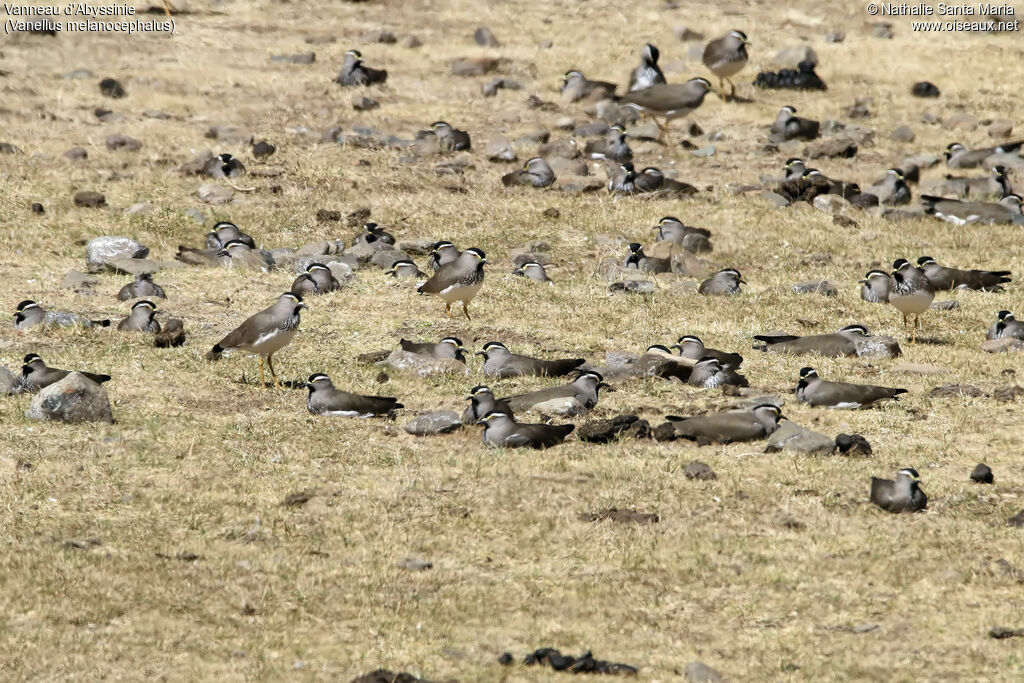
point(744, 282)
point(480, 353)
point(463, 349)
point(307, 385)
point(782, 417)
point(481, 421)
point(469, 398)
point(517, 271)
point(483, 260)
point(602, 385)
point(862, 282)
point(677, 346)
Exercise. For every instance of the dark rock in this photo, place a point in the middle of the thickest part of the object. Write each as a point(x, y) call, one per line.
point(1007, 393)
point(110, 87)
point(955, 390)
point(356, 218)
point(603, 431)
point(74, 399)
point(924, 89)
point(852, 444)
point(9, 383)
point(378, 36)
point(263, 149)
point(1017, 520)
point(327, 215)
point(76, 154)
point(231, 135)
point(484, 36)
point(839, 147)
point(665, 432)
point(699, 672)
point(8, 148)
point(621, 516)
point(172, 334)
point(499, 149)
point(882, 29)
point(982, 474)
point(38, 208)
point(123, 142)
point(491, 89)
point(823, 287)
point(385, 676)
point(1001, 632)
point(297, 499)
point(792, 437)
point(803, 78)
point(697, 469)
point(551, 212)
point(902, 134)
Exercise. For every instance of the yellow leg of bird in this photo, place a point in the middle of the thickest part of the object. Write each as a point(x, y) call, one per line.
point(167, 8)
point(448, 310)
point(732, 89)
point(273, 375)
point(263, 378)
point(465, 309)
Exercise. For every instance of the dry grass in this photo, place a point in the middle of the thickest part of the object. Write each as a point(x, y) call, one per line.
point(763, 574)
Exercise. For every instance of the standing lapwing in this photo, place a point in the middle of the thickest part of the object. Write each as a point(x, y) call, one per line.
point(668, 100)
point(910, 293)
point(264, 333)
point(458, 281)
point(725, 57)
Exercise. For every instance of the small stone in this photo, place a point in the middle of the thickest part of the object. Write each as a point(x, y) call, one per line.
point(74, 399)
point(479, 66)
point(831, 203)
point(440, 422)
point(491, 89)
point(685, 34)
point(878, 346)
point(882, 29)
point(593, 130)
point(1000, 128)
point(790, 57)
point(101, 251)
point(1017, 520)
point(1003, 344)
point(699, 672)
point(551, 212)
point(424, 366)
point(110, 87)
point(364, 103)
point(902, 134)
point(8, 148)
point(930, 119)
point(948, 305)
point(865, 628)
point(378, 36)
point(633, 287)
point(956, 391)
point(700, 471)
point(140, 208)
point(342, 272)
point(499, 149)
point(604, 431)
point(835, 36)
point(852, 444)
point(413, 564)
point(123, 142)
point(485, 37)
point(839, 147)
point(823, 287)
point(38, 209)
point(212, 193)
point(411, 41)
point(76, 154)
point(1001, 632)
point(704, 152)
point(8, 381)
point(982, 474)
point(924, 89)
point(666, 431)
point(791, 436)
point(962, 122)
point(157, 114)
point(565, 123)
point(230, 135)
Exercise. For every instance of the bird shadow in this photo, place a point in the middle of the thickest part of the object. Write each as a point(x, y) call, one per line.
point(286, 383)
point(932, 341)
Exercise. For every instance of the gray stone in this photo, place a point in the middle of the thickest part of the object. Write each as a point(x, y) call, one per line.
point(385, 257)
point(699, 470)
point(565, 123)
point(99, 251)
point(706, 151)
point(342, 271)
point(964, 122)
point(790, 57)
point(633, 287)
point(499, 149)
point(699, 672)
point(77, 74)
point(76, 398)
point(117, 141)
point(411, 41)
point(823, 287)
point(685, 33)
point(792, 437)
point(8, 382)
point(423, 366)
point(89, 199)
point(948, 305)
point(440, 422)
point(563, 407)
point(415, 564)
point(1000, 128)
point(364, 103)
point(76, 154)
point(140, 207)
point(420, 247)
point(230, 135)
point(211, 193)
point(835, 36)
point(378, 36)
point(902, 134)
point(196, 215)
point(1002, 345)
point(485, 37)
point(878, 346)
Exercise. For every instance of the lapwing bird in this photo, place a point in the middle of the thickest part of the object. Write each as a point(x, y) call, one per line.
point(450, 139)
point(324, 399)
point(668, 101)
point(693, 240)
point(405, 268)
point(481, 401)
point(623, 179)
point(730, 426)
point(371, 233)
point(648, 264)
point(237, 254)
point(354, 72)
point(449, 347)
point(576, 87)
point(910, 293)
point(995, 185)
point(725, 57)
point(836, 345)
point(532, 270)
point(29, 314)
point(955, 278)
point(648, 73)
point(725, 282)
point(794, 169)
point(535, 173)
point(318, 279)
point(501, 431)
point(500, 362)
point(443, 253)
point(893, 190)
point(224, 232)
point(1006, 210)
point(958, 156)
point(584, 389)
point(264, 334)
point(690, 346)
point(815, 391)
point(224, 166)
point(874, 288)
point(614, 147)
point(1005, 326)
point(36, 375)
point(201, 257)
point(651, 179)
point(458, 281)
point(902, 495)
point(709, 373)
point(142, 318)
point(789, 126)
point(141, 287)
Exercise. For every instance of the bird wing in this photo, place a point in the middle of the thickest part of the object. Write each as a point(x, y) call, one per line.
point(246, 332)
